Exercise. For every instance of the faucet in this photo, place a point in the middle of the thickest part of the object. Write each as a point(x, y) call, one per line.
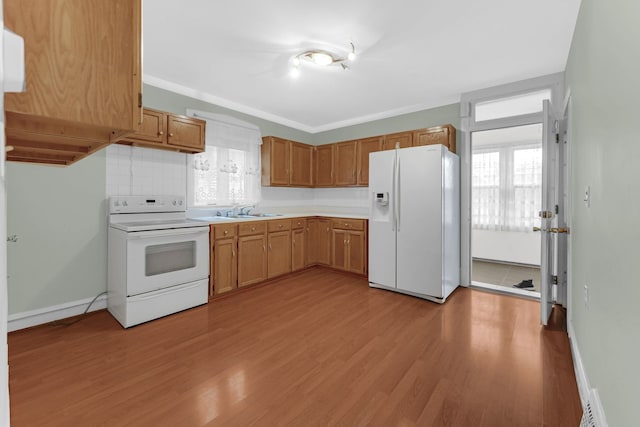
point(244, 210)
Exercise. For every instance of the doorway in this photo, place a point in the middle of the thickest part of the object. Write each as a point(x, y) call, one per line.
point(506, 196)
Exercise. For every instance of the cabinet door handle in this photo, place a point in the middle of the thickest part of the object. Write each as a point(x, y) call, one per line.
point(344, 242)
point(253, 229)
point(280, 226)
point(226, 231)
point(170, 133)
point(233, 254)
point(327, 229)
point(269, 246)
point(264, 248)
point(160, 133)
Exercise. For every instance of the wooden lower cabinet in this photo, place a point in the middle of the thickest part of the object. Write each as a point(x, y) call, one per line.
point(252, 259)
point(298, 249)
point(251, 252)
point(224, 266)
point(348, 246)
point(323, 243)
point(279, 253)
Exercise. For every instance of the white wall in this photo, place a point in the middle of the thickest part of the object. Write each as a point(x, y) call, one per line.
point(506, 246)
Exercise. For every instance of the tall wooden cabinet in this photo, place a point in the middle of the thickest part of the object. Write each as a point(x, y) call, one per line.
point(83, 79)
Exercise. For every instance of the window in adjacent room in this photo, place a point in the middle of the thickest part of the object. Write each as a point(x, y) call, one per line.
point(507, 178)
point(228, 172)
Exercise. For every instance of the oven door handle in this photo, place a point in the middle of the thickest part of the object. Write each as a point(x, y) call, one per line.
point(167, 233)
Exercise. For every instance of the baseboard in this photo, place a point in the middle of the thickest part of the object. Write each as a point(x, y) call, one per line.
point(578, 367)
point(27, 319)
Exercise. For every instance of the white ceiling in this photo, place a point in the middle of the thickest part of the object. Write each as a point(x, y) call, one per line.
point(412, 54)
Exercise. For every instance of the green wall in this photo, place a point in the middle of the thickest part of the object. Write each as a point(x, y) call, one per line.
point(447, 114)
point(58, 215)
point(172, 102)
point(602, 74)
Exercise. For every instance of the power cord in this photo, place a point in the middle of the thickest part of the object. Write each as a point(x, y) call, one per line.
point(79, 318)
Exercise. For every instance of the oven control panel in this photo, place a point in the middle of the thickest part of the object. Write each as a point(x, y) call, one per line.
point(146, 204)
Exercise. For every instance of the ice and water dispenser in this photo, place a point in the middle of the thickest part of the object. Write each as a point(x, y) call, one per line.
point(380, 209)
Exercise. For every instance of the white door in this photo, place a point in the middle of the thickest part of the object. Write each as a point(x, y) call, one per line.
point(547, 215)
point(382, 221)
point(419, 220)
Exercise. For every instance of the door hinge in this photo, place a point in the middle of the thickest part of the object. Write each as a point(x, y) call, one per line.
point(557, 209)
point(557, 138)
point(554, 280)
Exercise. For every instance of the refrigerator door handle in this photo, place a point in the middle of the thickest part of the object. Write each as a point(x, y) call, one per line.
point(397, 193)
point(393, 190)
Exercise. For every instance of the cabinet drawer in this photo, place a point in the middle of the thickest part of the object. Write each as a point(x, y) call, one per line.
point(280, 225)
point(347, 224)
point(298, 223)
point(224, 230)
point(250, 228)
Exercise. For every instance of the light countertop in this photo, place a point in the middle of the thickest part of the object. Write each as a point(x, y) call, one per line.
point(228, 220)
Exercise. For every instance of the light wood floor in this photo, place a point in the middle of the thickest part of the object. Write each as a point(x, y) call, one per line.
point(505, 275)
point(318, 348)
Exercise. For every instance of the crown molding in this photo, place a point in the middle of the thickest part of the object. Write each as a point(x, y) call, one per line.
point(241, 108)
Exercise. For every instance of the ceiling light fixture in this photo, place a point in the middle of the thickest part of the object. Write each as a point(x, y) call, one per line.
point(321, 58)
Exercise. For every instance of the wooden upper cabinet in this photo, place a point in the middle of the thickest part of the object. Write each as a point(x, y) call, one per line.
point(445, 135)
point(185, 133)
point(275, 161)
point(169, 131)
point(83, 79)
point(324, 165)
point(301, 164)
point(153, 127)
point(402, 139)
point(345, 163)
point(366, 146)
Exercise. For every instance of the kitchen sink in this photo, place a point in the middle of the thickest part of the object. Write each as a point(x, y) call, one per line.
point(263, 214)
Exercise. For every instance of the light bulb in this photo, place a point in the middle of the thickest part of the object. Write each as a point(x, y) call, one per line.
point(295, 61)
point(294, 72)
point(321, 58)
point(351, 56)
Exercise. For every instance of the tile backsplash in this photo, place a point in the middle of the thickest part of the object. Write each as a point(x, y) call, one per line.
point(137, 170)
point(147, 171)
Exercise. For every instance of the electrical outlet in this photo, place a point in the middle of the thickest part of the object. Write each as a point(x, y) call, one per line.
point(586, 296)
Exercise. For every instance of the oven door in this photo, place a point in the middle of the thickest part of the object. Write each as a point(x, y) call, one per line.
point(160, 258)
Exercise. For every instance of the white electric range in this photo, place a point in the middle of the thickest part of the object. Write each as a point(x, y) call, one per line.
point(158, 260)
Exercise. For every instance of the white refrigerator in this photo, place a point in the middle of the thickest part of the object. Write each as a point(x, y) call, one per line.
point(414, 222)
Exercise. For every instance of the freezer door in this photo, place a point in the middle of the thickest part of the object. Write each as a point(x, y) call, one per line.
point(419, 220)
point(382, 235)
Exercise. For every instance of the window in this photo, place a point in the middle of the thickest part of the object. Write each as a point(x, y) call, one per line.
point(507, 178)
point(228, 172)
point(511, 106)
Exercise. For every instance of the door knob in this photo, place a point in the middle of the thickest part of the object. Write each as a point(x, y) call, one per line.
point(560, 230)
point(537, 229)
